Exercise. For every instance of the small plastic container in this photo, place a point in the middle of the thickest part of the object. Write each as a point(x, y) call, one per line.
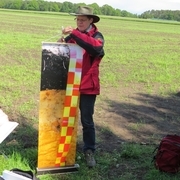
point(9, 175)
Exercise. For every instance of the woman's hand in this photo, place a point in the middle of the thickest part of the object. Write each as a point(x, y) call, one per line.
point(67, 30)
point(61, 39)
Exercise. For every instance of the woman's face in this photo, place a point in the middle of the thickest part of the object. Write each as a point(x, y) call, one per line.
point(83, 22)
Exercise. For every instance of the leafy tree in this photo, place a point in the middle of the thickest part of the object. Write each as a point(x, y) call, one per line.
point(66, 7)
point(17, 4)
point(53, 6)
point(96, 8)
point(2, 3)
point(118, 12)
point(107, 10)
point(33, 5)
point(24, 5)
point(124, 13)
point(59, 6)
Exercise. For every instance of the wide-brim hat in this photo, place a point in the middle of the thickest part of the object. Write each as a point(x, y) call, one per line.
point(86, 11)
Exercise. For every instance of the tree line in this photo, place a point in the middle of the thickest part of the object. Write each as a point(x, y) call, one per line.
point(68, 7)
point(161, 14)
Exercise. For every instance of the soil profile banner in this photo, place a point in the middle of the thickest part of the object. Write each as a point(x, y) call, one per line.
point(58, 107)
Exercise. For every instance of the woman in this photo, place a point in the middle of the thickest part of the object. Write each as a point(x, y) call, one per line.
point(87, 36)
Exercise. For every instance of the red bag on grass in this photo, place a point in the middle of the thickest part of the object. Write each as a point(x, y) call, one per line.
point(167, 157)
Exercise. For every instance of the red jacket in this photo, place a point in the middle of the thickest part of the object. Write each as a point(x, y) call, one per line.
point(92, 42)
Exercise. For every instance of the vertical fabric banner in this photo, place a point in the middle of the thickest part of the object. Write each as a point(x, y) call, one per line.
point(58, 107)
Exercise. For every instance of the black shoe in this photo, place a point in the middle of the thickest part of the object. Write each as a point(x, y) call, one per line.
point(89, 156)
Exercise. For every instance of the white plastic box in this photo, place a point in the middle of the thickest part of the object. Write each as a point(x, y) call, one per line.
point(9, 175)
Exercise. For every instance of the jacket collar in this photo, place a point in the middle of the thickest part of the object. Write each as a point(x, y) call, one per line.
point(92, 30)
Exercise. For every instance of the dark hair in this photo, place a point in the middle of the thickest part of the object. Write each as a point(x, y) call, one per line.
point(89, 16)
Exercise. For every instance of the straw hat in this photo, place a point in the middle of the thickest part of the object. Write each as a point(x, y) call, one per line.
point(86, 11)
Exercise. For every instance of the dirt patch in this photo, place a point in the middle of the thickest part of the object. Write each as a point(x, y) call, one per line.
point(132, 115)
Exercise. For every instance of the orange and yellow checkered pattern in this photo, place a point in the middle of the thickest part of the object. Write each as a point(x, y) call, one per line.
point(70, 109)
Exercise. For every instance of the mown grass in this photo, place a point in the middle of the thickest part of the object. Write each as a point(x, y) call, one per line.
point(137, 52)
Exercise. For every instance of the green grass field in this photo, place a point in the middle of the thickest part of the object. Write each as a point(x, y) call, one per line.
point(141, 55)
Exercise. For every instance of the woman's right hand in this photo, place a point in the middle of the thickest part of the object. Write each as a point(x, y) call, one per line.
point(61, 39)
